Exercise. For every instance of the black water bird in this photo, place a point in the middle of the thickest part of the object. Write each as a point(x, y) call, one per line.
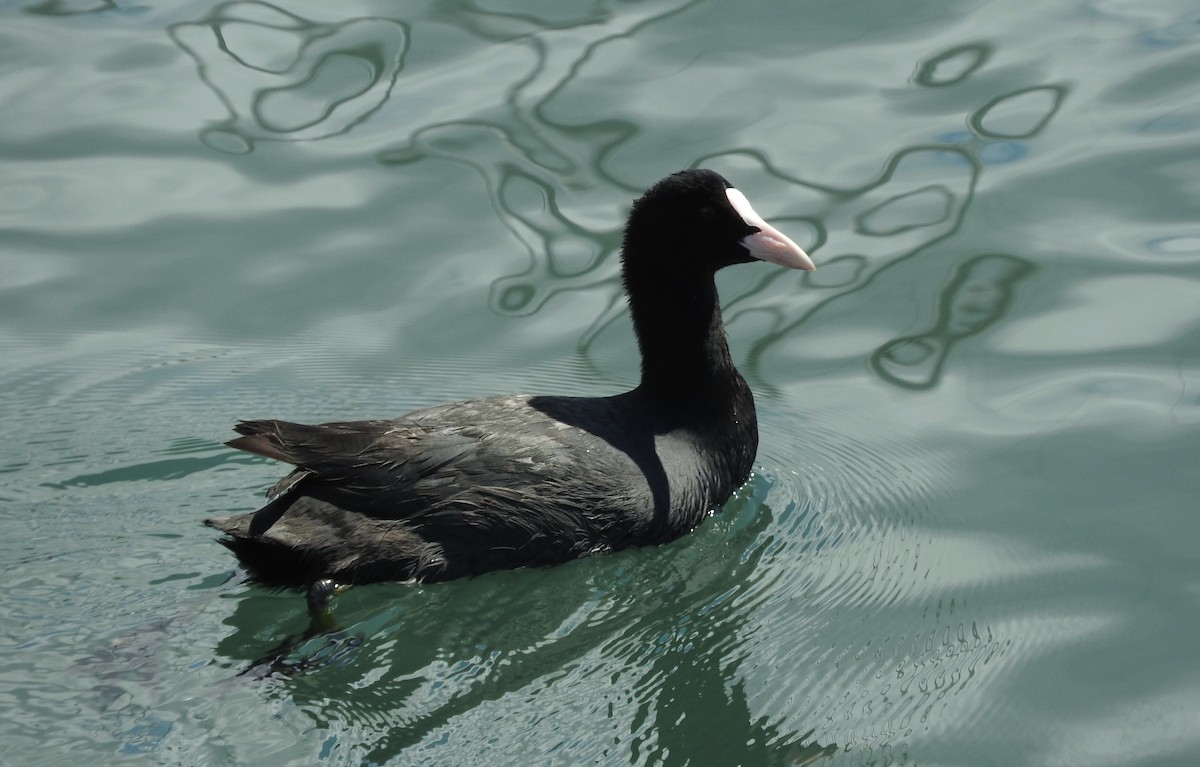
point(504, 482)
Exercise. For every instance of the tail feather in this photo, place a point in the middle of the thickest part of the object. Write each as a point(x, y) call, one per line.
point(270, 561)
point(273, 563)
point(307, 445)
point(262, 438)
point(304, 552)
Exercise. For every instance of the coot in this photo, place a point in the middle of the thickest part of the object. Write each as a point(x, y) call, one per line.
point(504, 482)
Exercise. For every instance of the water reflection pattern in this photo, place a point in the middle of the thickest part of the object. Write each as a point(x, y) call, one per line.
point(283, 77)
point(953, 66)
point(71, 7)
point(978, 295)
point(286, 78)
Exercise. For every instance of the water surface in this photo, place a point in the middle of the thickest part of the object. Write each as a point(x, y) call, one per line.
point(970, 535)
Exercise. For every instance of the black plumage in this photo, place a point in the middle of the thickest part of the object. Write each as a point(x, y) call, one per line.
point(504, 482)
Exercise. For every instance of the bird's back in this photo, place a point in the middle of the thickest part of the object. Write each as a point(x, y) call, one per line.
point(469, 487)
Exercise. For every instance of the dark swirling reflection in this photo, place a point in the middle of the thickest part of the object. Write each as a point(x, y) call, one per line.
point(71, 7)
point(920, 198)
point(1021, 114)
point(978, 295)
point(285, 78)
point(564, 255)
point(954, 65)
point(515, 146)
point(560, 252)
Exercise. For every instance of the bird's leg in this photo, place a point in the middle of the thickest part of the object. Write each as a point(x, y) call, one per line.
point(320, 623)
point(320, 603)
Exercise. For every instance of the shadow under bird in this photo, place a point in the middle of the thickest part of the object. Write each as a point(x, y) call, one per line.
point(505, 482)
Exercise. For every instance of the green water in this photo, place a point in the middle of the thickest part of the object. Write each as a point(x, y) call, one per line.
point(971, 538)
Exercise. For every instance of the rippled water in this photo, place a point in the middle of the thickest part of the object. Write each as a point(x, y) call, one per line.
point(971, 535)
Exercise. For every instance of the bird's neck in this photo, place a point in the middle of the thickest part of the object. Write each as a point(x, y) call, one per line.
point(686, 367)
